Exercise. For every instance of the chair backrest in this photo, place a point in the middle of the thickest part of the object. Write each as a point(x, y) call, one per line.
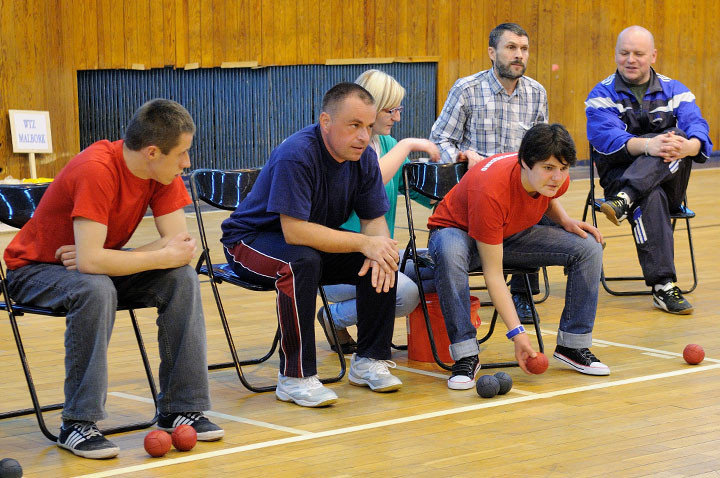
point(222, 189)
point(433, 180)
point(19, 201)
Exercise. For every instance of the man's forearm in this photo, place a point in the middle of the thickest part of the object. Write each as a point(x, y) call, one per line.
point(322, 238)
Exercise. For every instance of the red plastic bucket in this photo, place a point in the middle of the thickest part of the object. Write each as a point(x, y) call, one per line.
point(418, 342)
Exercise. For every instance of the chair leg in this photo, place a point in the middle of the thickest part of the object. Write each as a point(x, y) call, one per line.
point(37, 409)
point(238, 364)
point(546, 294)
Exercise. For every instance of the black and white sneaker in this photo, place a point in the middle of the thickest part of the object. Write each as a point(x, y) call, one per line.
point(671, 300)
point(581, 360)
point(206, 430)
point(616, 209)
point(463, 373)
point(85, 440)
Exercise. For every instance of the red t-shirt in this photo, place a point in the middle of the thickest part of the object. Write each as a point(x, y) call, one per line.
point(97, 185)
point(490, 202)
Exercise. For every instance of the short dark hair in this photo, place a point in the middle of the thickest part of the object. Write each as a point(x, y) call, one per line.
point(339, 92)
point(159, 122)
point(544, 140)
point(497, 32)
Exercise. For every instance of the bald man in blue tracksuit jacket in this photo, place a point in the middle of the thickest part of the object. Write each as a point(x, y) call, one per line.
point(645, 130)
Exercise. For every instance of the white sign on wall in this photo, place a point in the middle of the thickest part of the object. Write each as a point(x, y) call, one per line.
point(30, 131)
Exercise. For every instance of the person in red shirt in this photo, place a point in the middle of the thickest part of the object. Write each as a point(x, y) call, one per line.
point(492, 218)
point(70, 256)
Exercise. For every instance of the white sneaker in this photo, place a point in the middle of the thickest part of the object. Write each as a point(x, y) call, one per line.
point(304, 391)
point(373, 373)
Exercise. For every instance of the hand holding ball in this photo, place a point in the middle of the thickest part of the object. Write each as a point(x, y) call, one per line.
point(693, 354)
point(538, 364)
point(157, 443)
point(184, 437)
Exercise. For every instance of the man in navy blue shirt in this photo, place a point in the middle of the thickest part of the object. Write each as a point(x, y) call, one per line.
point(286, 234)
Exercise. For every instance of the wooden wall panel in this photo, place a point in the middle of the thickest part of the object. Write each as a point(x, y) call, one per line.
point(43, 45)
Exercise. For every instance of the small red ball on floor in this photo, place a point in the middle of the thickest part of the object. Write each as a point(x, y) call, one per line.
point(157, 443)
point(693, 354)
point(538, 364)
point(184, 437)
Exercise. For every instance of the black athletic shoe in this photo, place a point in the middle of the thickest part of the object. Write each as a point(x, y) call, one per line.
point(463, 373)
point(85, 440)
point(671, 300)
point(206, 430)
point(581, 360)
point(616, 209)
point(523, 308)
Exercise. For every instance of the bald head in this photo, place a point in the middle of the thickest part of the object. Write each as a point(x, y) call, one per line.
point(634, 53)
point(638, 32)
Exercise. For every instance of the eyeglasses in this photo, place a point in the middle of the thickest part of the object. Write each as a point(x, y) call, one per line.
point(392, 111)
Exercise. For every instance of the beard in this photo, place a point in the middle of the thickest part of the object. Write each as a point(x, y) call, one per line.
point(504, 71)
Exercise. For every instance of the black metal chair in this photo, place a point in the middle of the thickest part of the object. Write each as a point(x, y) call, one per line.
point(225, 190)
point(593, 205)
point(17, 205)
point(434, 181)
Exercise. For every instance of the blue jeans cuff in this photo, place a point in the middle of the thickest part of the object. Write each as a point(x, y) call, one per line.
point(466, 348)
point(574, 341)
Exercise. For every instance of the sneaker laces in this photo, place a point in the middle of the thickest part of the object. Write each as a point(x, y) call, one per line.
point(586, 353)
point(311, 383)
point(465, 366)
point(380, 367)
point(86, 429)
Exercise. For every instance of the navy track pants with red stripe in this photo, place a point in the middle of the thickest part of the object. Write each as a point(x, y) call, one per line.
point(296, 273)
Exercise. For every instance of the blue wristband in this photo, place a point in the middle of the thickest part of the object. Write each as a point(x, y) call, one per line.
point(517, 330)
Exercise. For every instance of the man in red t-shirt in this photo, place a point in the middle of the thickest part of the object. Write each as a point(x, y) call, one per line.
point(69, 256)
point(490, 219)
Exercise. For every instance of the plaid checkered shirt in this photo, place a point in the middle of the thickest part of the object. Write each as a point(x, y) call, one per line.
point(481, 116)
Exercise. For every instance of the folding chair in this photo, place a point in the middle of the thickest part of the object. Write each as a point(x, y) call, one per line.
point(434, 181)
point(17, 205)
point(225, 190)
point(685, 213)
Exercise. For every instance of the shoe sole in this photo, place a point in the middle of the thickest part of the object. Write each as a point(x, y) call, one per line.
point(461, 385)
point(661, 306)
point(365, 383)
point(610, 214)
point(580, 368)
point(212, 435)
point(284, 397)
point(93, 454)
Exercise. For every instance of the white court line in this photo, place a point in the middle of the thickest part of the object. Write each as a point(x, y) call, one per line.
point(395, 421)
point(663, 355)
point(233, 418)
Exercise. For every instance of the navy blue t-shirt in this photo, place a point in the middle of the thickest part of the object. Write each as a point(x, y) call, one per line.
point(302, 180)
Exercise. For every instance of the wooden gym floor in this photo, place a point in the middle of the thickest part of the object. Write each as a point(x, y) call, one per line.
point(653, 416)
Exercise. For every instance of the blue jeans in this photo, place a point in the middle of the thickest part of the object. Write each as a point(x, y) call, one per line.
point(91, 301)
point(455, 253)
point(344, 306)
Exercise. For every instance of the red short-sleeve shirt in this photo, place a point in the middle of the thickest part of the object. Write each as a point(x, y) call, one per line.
point(97, 185)
point(490, 202)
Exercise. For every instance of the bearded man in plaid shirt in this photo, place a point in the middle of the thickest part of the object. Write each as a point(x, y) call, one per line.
point(489, 112)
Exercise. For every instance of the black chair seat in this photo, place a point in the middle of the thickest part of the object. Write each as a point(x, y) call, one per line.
point(223, 273)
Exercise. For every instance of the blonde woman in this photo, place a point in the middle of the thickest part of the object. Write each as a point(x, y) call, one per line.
point(392, 154)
